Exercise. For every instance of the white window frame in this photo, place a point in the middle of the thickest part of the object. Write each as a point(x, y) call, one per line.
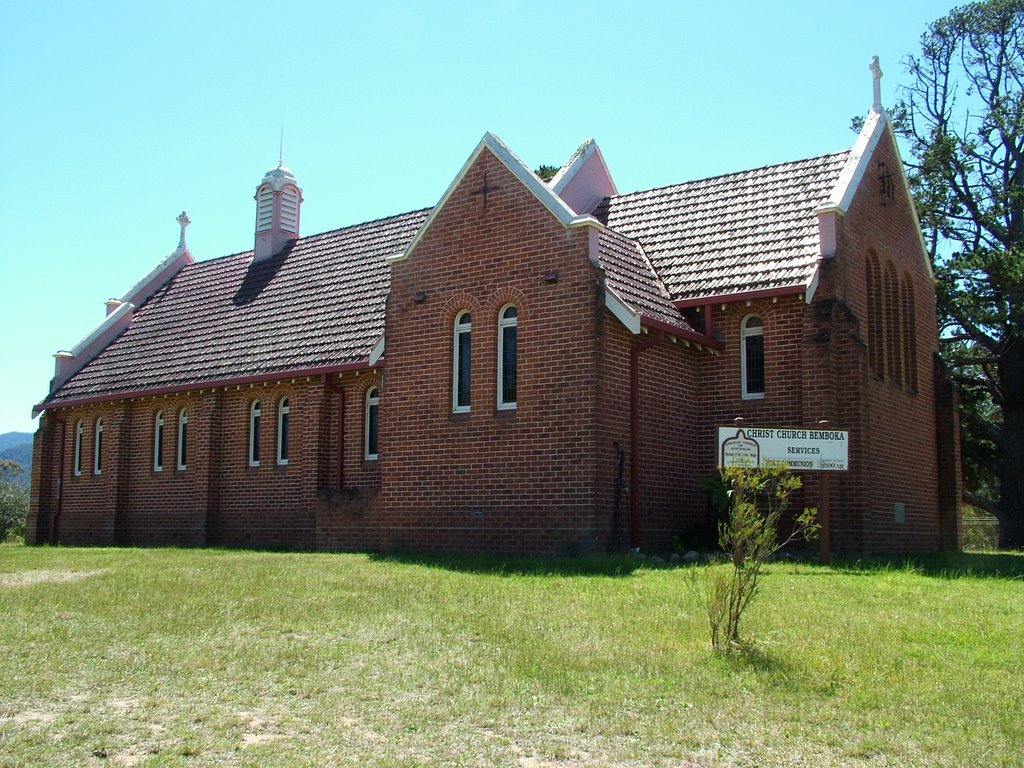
point(284, 410)
point(158, 442)
point(747, 332)
point(97, 448)
point(372, 401)
point(182, 439)
point(458, 330)
point(503, 324)
point(254, 437)
point(79, 432)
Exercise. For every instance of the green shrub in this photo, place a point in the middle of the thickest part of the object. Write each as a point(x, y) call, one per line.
point(749, 536)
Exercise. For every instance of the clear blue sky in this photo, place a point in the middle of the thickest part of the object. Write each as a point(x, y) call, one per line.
point(117, 116)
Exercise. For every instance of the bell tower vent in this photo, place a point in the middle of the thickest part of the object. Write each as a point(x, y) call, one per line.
point(278, 205)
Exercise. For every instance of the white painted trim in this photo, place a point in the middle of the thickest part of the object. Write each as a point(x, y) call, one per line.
point(283, 409)
point(181, 447)
point(622, 311)
point(368, 402)
point(504, 323)
point(744, 334)
point(812, 286)
point(579, 160)
point(79, 432)
point(841, 197)
point(125, 309)
point(253, 438)
point(456, 332)
point(97, 447)
point(377, 352)
point(141, 290)
point(857, 164)
point(158, 442)
point(528, 178)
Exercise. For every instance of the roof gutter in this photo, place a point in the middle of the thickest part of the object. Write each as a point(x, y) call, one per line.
point(174, 389)
point(732, 298)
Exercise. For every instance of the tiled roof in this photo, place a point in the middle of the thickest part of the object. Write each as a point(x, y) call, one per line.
point(318, 304)
point(743, 232)
point(321, 302)
point(631, 276)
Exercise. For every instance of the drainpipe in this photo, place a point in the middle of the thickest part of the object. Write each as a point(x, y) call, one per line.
point(60, 483)
point(639, 346)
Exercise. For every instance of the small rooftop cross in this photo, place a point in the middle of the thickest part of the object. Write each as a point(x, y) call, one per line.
point(183, 221)
point(485, 188)
point(876, 77)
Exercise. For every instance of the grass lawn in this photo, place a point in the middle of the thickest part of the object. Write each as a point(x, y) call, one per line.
point(160, 657)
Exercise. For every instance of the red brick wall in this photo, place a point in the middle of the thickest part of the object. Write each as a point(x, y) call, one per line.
point(507, 481)
point(898, 445)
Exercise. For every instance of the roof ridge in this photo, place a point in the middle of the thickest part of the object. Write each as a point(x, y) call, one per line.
point(316, 235)
point(731, 174)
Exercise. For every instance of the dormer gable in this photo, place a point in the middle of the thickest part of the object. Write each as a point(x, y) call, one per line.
point(491, 143)
point(584, 181)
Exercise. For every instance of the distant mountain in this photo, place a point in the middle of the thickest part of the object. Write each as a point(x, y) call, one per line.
point(9, 439)
point(17, 447)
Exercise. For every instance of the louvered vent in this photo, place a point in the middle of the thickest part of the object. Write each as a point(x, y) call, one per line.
point(290, 209)
point(264, 208)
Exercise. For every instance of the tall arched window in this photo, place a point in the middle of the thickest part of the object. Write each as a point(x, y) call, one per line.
point(283, 414)
point(372, 423)
point(183, 438)
point(79, 431)
point(158, 442)
point(752, 357)
point(876, 318)
point(254, 434)
point(893, 326)
point(460, 362)
point(97, 456)
point(507, 357)
point(909, 334)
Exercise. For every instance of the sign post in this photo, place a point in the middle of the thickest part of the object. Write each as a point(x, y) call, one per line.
point(816, 450)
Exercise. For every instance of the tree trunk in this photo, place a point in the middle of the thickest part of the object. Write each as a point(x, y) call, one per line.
point(1011, 470)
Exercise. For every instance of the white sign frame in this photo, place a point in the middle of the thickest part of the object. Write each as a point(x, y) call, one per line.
point(814, 450)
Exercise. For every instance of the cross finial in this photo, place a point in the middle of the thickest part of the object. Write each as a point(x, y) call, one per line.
point(876, 77)
point(183, 221)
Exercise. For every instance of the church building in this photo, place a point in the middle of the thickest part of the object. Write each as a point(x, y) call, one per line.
point(528, 366)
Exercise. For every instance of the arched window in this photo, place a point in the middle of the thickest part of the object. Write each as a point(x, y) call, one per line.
point(876, 319)
point(158, 442)
point(283, 413)
point(254, 434)
point(752, 357)
point(372, 423)
point(909, 334)
point(183, 438)
point(79, 431)
point(507, 357)
point(893, 326)
point(460, 363)
point(97, 456)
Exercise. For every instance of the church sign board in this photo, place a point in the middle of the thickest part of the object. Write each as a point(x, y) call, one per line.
point(801, 449)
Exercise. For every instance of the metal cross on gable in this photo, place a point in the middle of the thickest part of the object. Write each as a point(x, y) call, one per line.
point(485, 189)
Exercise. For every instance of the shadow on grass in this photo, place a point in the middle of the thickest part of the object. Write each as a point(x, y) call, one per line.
point(958, 565)
point(594, 565)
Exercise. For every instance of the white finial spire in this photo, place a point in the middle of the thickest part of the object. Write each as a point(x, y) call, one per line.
point(280, 152)
point(876, 77)
point(183, 221)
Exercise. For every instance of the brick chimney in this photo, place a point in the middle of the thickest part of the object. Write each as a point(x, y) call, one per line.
point(278, 201)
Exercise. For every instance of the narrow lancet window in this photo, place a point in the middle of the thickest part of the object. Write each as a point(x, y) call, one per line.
point(254, 434)
point(461, 364)
point(752, 357)
point(507, 357)
point(283, 416)
point(372, 423)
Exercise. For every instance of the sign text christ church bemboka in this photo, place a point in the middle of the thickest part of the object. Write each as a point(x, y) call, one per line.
point(806, 449)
